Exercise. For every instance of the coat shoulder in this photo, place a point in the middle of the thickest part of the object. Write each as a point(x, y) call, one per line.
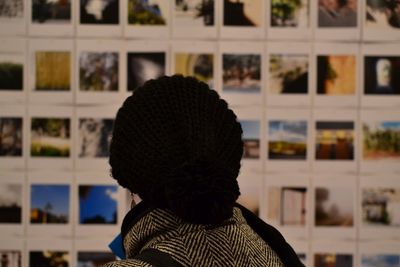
point(127, 263)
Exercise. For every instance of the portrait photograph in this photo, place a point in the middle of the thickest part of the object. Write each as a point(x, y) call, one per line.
point(99, 12)
point(98, 204)
point(381, 14)
point(94, 136)
point(241, 73)
point(287, 140)
point(200, 66)
point(98, 71)
point(381, 207)
point(53, 71)
point(194, 13)
point(243, 13)
point(10, 203)
point(11, 75)
point(333, 260)
point(336, 74)
point(51, 11)
point(10, 258)
point(11, 9)
point(251, 138)
point(50, 137)
point(10, 137)
point(147, 12)
point(334, 206)
point(49, 258)
point(288, 74)
point(290, 13)
point(334, 140)
point(94, 258)
point(50, 204)
point(381, 75)
point(143, 66)
point(381, 260)
point(337, 13)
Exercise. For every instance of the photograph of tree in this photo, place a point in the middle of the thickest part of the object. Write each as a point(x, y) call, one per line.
point(381, 75)
point(381, 14)
point(194, 12)
point(50, 137)
point(98, 204)
point(49, 258)
point(11, 8)
point(10, 137)
point(334, 206)
point(94, 137)
point(247, 13)
point(287, 140)
point(200, 66)
point(333, 260)
point(144, 66)
point(10, 203)
point(380, 260)
point(147, 12)
point(98, 71)
point(11, 75)
point(288, 74)
point(10, 258)
point(251, 138)
point(337, 13)
point(51, 11)
point(287, 205)
point(53, 71)
point(241, 73)
point(99, 12)
point(50, 204)
point(334, 140)
point(381, 206)
point(381, 140)
point(290, 13)
point(94, 258)
point(336, 75)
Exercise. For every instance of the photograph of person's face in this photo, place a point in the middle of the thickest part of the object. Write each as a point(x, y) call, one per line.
point(99, 12)
point(148, 12)
point(381, 14)
point(381, 75)
point(94, 137)
point(337, 13)
point(53, 71)
point(243, 13)
point(11, 75)
point(10, 137)
point(194, 12)
point(290, 14)
point(381, 260)
point(11, 9)
point(200, 66)
point(94, 258)
point(333, 260)
point(10, 258)
point(10, 203)
point(49, 258)
point(251, 139)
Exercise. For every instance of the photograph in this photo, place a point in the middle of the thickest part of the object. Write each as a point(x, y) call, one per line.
point(94, 136)
point(94, 258)
point(334, 206)
point(10, 137)
point(334, 140)
point(380, 260)
point(50, 204)
point(243, 13)
point(191, 13)
point(251, 139)
point(11, 75)
point(98, 204)
point(290, 13)
point(337, 13)
point(288, 74)
point(98, 71)
point(333, 260)
point(287, 205)
point(336, 75)
point(10, 258)
point(11, 9)
point(49, 258)
point(10, 203)
point(381, 140)
point(143, 66)
point(147, 12)
point(381, 207)
point(51, 11)
point(287, 140)
point(50, 137)
point(241, 73)
point(381, 75)
point(99, 12)
point(382, 14)
point(53, 71)
point(200, 66)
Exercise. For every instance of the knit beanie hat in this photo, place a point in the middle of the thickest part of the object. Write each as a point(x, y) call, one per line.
point(179, 146)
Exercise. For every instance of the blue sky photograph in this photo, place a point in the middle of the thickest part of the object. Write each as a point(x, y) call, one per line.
point(251, 129)
point(289, 131)
point(381, 260)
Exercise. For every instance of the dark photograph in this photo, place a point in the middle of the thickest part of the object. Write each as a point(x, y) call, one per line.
point(11, 75)
point(382, 14)
point(144, 66)
point(49, 258)
point(94, 258)
point(289, 13)
point(11, 8)
point(10, 203)
point(243, 13)
point(10, 137)
point(333, 260)
point(251, 139)
point(194, 12)
point(147, 12)
point(94, 136)
point(337, 13)
point(51, 11)
point(200, 66)
point(381, 75)
point(99, 12)
point(10, 258)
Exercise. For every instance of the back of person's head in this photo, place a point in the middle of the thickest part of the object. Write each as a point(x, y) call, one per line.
point(178, 146)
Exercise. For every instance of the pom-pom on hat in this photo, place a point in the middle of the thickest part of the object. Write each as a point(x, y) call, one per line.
point(179, 146)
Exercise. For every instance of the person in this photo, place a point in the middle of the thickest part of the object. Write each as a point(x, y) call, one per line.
point(178, 146)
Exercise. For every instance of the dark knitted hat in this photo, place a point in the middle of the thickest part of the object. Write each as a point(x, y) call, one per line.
point(179, 146)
